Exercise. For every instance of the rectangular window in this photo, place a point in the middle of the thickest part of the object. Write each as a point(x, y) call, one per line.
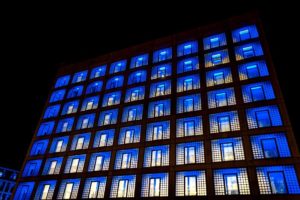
point(157, 132)
point(161, 72)
point(134, 95)
point(159, 110)
point(270, 148)
point(156, 156)
point(80, 143)
point(45, 191)
point(131, 115)
point(224, 123)
point(263, 118)
point(107, 118)
point(52, 167)
point(65, 127)
point(89, 105)
point(129, 134)
point(126, 158)
point(85, 123)
point(277, 182)
point(244, 34)
point(103, 140)
point(160, 90)
point(189, 128)
point(74, 165)
point(257, 93)
point(94, 189)
point(68, 191)
point(154, 188)
point(99, 163)
point(221, 99)
point(214, 42)
point(187, 66)
point(187, 84)
point(216, 59)
point(252, 71)
point(188, 105)
point(190, 186)
point(231, 184)
point(189, 155)
point(59, 145)
point(122, 188)
point(227, 151)
point(248, 52)
point(219, 78)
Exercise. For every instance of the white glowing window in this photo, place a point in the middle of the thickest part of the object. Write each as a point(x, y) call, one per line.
point(154, 188)
point(80, 143)
point(98, 163)
point(94, 189)
point(59, 145)
point(126, 157)
point(52, 167)
point(68, 191)
point(74, 165)
point(122, 188)
point(156, 157)
point(45, 191)
point(190, 185)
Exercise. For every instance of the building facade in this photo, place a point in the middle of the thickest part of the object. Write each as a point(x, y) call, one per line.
point(8, 178)
point(197, 114)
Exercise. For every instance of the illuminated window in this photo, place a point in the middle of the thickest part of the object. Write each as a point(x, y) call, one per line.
point(39, 147)
point(189, 103)
point(189, 153)
point(158, 131)
point(51, 111)
point(104, 138)
point(162, 54)
point(130, 134)
point(223, 122)
point(277, 180)
point(24, 190)
point(108, 117)
point(81, 141)
point(214, 41)
point(45, 128)
point(248, 51)
point(62, 81)
point(139, 61)
point(134, 94)
point(52, 166)
point(112, 98)
point(186, 65)
point(253, 70)
point(85, 121)
point(98, 72)
point(263, 117)
point(32, 168)
point(156, 156)
point(137, 77)
point(94, 188)
point(99, 161)
point(187, 83)
point(68, 189)
point(189, 126)
point(45, 189)
point(220, 98)
point(159, 108)
point(70, 107)
point(258, 91)
point(160, 88)
point(227, 149)
point(155, 185)
point(190, 183)
point(75, 92)
point(232, 181)
point(132, 113)
point(187, 48)
point(218, 77)
point(216, 58)
point(75, 164)
point(117, 66)
point(90, 103)
point(126, 159)
point(114, 82)
point(161, 71)
point(65, 125)
point(57, 95)
point(79, 76)
point(94, 87)
point(244, 33)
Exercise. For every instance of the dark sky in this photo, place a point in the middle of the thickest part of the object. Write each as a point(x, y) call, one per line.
point(35, 38)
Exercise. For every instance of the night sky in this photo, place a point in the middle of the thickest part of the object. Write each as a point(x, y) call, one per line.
point(36, 38)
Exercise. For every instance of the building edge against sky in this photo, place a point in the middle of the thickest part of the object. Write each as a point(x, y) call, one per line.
point(199, 113)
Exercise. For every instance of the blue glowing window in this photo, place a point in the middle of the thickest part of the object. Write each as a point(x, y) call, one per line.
point(156, 156)
point(155, 185)
point(57, 95)
point(248, 50)
point(219, 76)
point(253, 70)
point(132, 113)
point(59, 144)
point(190, 183)
point(68, 189)
point(223, 122)
point(161, 71)
point(65, 125)
point(189, 103)
point(99, 161)
point(244, 33)
point(24, 190)
point(75, 164)
point(45, 189)
point(108, 117)
point(263, 117)
point(189, 126)
point(139, 61)
point(51, 111)
point(52, 166)
point(94, 188)
point(118, 66)
point(112, 98)
point(186, 83)
point(158, 131)
point(75, 91)
point(130, 134)
point(187, 48)
point(258, 91)
point(162, 54)
point(214, 41)
point(39, 147)
point(187, 65)
point(189, 153)
point(85, 121)
point(123, 186)
point(70, 107)
point(94, 87)
point(216, 58)
point(79, 76)
point(104, 138)
point(62, 81)
point(32, 168)
point(98, 72)
point(134, 94)
point(115, 82)
point(127, 158)
point(159, 108)
point(90, 103)
point(222, 97)
point(160, 88)
point(45, 128)
point(270, 146)
point(137, 77)
point(277, 180)
point(81, 141)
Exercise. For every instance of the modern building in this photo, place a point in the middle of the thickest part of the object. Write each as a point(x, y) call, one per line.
point(198, 114)
point(8, 178)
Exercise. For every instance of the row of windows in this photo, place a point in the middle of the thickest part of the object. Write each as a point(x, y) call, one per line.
point(258, 117)
point(229, 181)
point(189, 64)
point(227, 149)
point(185, 83)
point(216, 98)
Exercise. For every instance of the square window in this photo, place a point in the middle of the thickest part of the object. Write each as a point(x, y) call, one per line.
point(216, 59)
point(244, 34)
point(219, 78)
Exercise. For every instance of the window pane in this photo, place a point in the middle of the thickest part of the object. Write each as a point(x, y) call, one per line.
point(154, 187)
point(224, 124)
point(263, 118)
point(94, 189)
point(231, 184)
point(190, 186)
point(270, 148)
point(98, 163)
point(68, 191)
point(227, 151)
point(74, 165)
point(122, 188)
point(45, 191)
point(257, 93)
point(277, 182)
